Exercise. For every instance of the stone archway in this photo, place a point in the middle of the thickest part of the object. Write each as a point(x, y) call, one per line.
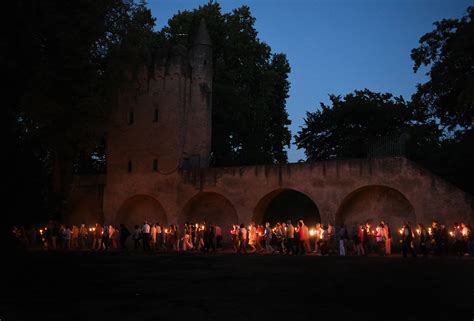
point(375, 203)
point(140, 208)
point(212, 208)
point(286, 204)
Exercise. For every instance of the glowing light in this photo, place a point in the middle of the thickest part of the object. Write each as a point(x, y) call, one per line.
point(418, 231)
point(401, 231)
point(451, 233)
point(430, 231)
point(41, 232)
point(312, 232)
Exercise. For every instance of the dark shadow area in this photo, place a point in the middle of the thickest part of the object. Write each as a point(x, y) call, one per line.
point(283, 205)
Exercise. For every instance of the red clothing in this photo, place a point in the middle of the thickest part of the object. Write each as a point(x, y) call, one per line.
point(303, 233)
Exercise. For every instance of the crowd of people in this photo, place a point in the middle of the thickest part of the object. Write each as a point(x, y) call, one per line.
point(282, 238)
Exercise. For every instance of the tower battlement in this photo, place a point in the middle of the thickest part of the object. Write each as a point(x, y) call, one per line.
point(166, 124)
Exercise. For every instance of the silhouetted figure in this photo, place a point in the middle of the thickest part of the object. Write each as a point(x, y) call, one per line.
point(124, 234)
point(407, 241)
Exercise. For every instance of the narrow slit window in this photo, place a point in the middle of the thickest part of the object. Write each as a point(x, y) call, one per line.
point(131, 118)
point(155, 165)
point(129, 166)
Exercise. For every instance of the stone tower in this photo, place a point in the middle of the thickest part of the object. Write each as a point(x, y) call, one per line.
point(165, 124)
point(197, 146)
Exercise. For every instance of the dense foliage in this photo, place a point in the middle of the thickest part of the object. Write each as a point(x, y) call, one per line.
point(250, 122)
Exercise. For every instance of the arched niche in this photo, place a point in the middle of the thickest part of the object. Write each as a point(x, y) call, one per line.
point(140, 208)
point(286, 204)
point(373, 204)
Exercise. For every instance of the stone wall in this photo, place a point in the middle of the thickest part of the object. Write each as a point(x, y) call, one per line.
point(349, 191)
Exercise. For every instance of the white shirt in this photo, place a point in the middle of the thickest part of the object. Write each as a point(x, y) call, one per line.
point(243, 230)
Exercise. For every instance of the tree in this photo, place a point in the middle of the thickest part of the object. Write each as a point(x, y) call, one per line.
point(348, 127)
point(448, 51)
point(448, 96)
point(66, 62)
point(250, 86)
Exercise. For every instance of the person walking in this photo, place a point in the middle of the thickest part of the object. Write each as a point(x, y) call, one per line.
point(146, 236)
point(82, 236)
point(380, 239)
point(388, 238)
point(105, 237)
point(124, 234)
point(317, 238)
point(407, 241)
point(268, 238)
point(252, 237)
point(96, 244)
point(218, 232)
point(242, 239)
point(136, 236)
point(290, 236)
point(342, 236)
point(423, 239)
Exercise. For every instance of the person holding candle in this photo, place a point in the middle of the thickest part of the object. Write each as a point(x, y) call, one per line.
point(234, 232)
point(82, 236)
point(458, 240)
point(380, 239)
point(290, 236)
point(97, 230)
point(317, 237)
point(105, 237)
point(159, 236)
point(252, 237)
point(388, 238)
point(279, 239)
point(324, 240)
point(360, 240)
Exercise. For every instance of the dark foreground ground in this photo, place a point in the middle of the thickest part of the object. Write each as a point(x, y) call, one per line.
point(137, 286)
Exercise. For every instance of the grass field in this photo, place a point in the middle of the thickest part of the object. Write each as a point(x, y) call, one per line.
point(140, 286)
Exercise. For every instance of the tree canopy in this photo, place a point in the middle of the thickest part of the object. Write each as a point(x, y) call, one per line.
point(448, 51)
point(66, 61)
point(352, 124)
point(250, 86)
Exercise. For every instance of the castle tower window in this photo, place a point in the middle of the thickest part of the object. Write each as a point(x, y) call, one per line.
point(155, 165)
point(129, 166)
point(131, 118)
point(155, 117)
